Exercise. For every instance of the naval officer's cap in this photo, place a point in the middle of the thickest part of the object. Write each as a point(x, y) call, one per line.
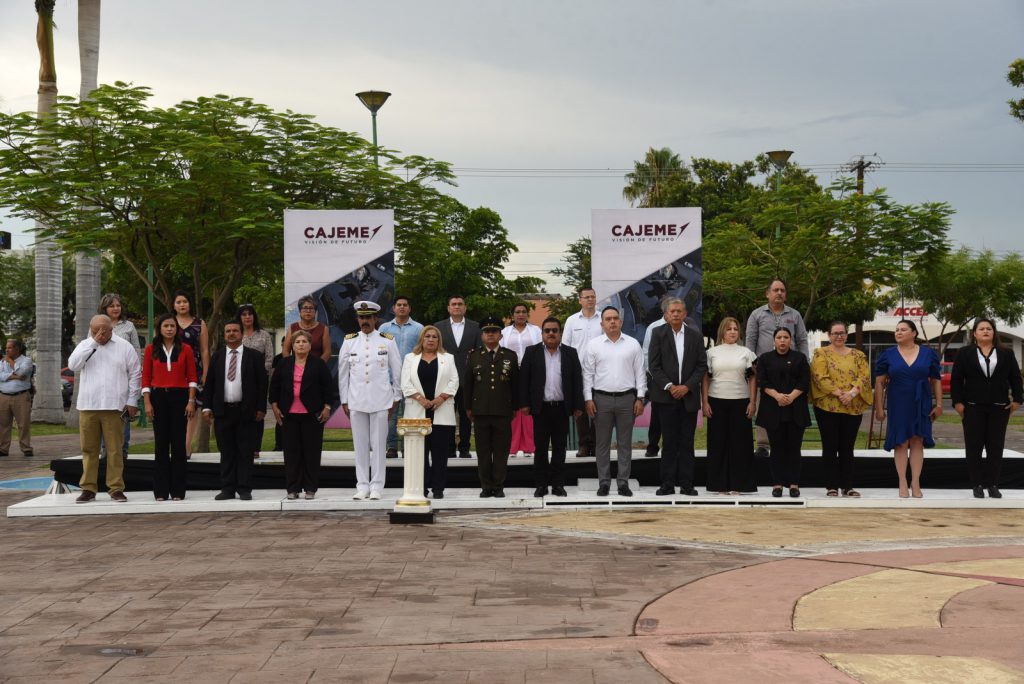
point(366, 308)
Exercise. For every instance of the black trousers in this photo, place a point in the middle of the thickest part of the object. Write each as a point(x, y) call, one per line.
point(785, 441)
point(654, 430)
point(730, 447)
point(435, 456)
point(550, 426)
point(303, 446)
point(236, 436)
point(985, 430)
point(838, 437)
point(585, 433)
point(493, 438)
point(464, 425)
point(677, 428)
point(170, 465)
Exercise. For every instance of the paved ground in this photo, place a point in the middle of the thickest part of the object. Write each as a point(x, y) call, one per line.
point(641, 597)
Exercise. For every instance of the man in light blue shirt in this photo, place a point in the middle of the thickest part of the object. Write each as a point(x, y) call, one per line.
point(15, 399)
point(406, 333)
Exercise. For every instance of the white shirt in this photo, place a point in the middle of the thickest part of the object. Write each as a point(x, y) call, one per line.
point(457, 330)
point(369, 372)
point(579, 330)
point(727, 370)
point(553, 375)
point(613, 366)
point(111, 374)
point(988, 368)
point(233, 389)
point(516, 340)
point(680, 339)
point(647, 339)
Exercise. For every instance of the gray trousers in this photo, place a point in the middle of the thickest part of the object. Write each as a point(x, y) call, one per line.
point(613, 412)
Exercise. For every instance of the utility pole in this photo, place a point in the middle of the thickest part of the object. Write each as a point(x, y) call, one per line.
point(860, 166)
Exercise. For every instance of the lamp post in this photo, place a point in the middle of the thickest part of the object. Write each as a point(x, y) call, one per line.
point(778, 159)
point(373, 100)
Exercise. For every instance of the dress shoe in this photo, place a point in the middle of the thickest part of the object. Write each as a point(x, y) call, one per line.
point(85, 497)
point(223, 496)
point(293, 495)
point(979, 492)
point(995, 493)
point(161, 498)
point(688, 491)
point(603, 490)
point(176, 498)
point(498, 493)
point(465, 454)
point(559, 491)
point(392, 453)
point(119, 497)
point(776, 492)
point(309, 495)
point(375, 496)
point(485, 494)
point(438, 493)
point(540, 492)
point(761, 453)
point(665, 490)
point(28, 454)
point(582, 452)
point(360, 495)
point(245, 496)
point(3, 454)
point(794, 492)
point(651, 453)
point(624, 490)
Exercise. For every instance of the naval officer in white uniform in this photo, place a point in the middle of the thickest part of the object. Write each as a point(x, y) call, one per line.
point(369, 381)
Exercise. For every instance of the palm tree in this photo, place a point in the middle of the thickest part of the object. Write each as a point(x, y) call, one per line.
point(645, 185)
point(87, 263)
point(48, 406)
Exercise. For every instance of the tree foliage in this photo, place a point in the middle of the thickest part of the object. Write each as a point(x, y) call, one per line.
point(575, 272)
point(1015, 76)
point(646, 183)
point(197, 191)
point(461, 253)
point(962, 286)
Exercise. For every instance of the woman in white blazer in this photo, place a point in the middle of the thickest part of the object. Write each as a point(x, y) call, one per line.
point(429, 383)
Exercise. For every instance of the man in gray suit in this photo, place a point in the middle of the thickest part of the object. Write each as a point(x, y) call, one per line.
point(677, 363)
point(459, 336)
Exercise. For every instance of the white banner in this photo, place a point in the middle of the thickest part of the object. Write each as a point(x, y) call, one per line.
point(639, 256)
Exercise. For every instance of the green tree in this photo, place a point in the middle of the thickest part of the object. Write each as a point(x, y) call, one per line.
point(197, 191)
point(575, 272)
point(963, 286)
point(646, 183)
point(1016, 78)
point(463, 253)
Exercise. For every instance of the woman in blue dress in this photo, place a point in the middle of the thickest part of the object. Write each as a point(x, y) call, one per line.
point(907, 385)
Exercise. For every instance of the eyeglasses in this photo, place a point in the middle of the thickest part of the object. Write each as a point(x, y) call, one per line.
point(308, 308)
point(551, 331)
point(838, 334)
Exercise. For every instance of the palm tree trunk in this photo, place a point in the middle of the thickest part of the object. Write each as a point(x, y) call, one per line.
point(87, 263)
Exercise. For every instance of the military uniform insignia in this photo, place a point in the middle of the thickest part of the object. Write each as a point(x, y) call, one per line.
point(352, 336)
point(387, 335)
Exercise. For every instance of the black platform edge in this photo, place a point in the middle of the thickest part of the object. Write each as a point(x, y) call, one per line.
point(405, 518)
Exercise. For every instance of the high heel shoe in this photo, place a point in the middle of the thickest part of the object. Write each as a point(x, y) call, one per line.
point(979, 492)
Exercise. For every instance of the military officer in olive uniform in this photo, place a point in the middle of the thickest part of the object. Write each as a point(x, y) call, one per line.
point(492, 385)
point(369, 381)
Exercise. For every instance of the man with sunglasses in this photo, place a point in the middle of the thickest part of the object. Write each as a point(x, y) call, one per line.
point(551, 382)
point(369, 377)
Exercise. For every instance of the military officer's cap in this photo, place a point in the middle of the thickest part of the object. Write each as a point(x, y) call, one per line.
point(365, 308)
point(491, 324)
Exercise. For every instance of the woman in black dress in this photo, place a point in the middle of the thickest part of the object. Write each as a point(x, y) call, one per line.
point(784, 377)
point(986, 389)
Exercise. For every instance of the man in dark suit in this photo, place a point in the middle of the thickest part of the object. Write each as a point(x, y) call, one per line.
point(235, 395)
point(492, 391)
point(459, 335)
point(677, 363)
point(551, 390)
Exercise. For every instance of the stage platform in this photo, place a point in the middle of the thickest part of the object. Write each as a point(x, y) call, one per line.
point(516, 499)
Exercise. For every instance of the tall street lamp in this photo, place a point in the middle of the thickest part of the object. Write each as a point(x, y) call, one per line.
point(778, 159)
point(373, 100)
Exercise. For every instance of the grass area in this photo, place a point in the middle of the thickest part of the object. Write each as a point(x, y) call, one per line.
point(335, 439)
point(952, 418)
point(43, 429)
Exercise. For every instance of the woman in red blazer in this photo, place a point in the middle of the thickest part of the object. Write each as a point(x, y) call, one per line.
point(169, 389)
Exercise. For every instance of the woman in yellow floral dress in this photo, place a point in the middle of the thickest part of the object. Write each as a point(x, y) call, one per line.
point(840, 392)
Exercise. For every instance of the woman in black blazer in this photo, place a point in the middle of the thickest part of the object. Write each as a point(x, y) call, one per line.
point(301, 395)
point(986, 389)
point(784, 377)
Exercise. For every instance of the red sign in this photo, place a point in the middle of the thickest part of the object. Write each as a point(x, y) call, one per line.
point(908, 312)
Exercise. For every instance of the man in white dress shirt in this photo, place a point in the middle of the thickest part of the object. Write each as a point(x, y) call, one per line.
point(108, 389)
point(614, 385)
point(580, 328)
point(369, 381)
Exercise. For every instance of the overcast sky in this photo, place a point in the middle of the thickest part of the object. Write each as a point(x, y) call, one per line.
point(591, 84)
